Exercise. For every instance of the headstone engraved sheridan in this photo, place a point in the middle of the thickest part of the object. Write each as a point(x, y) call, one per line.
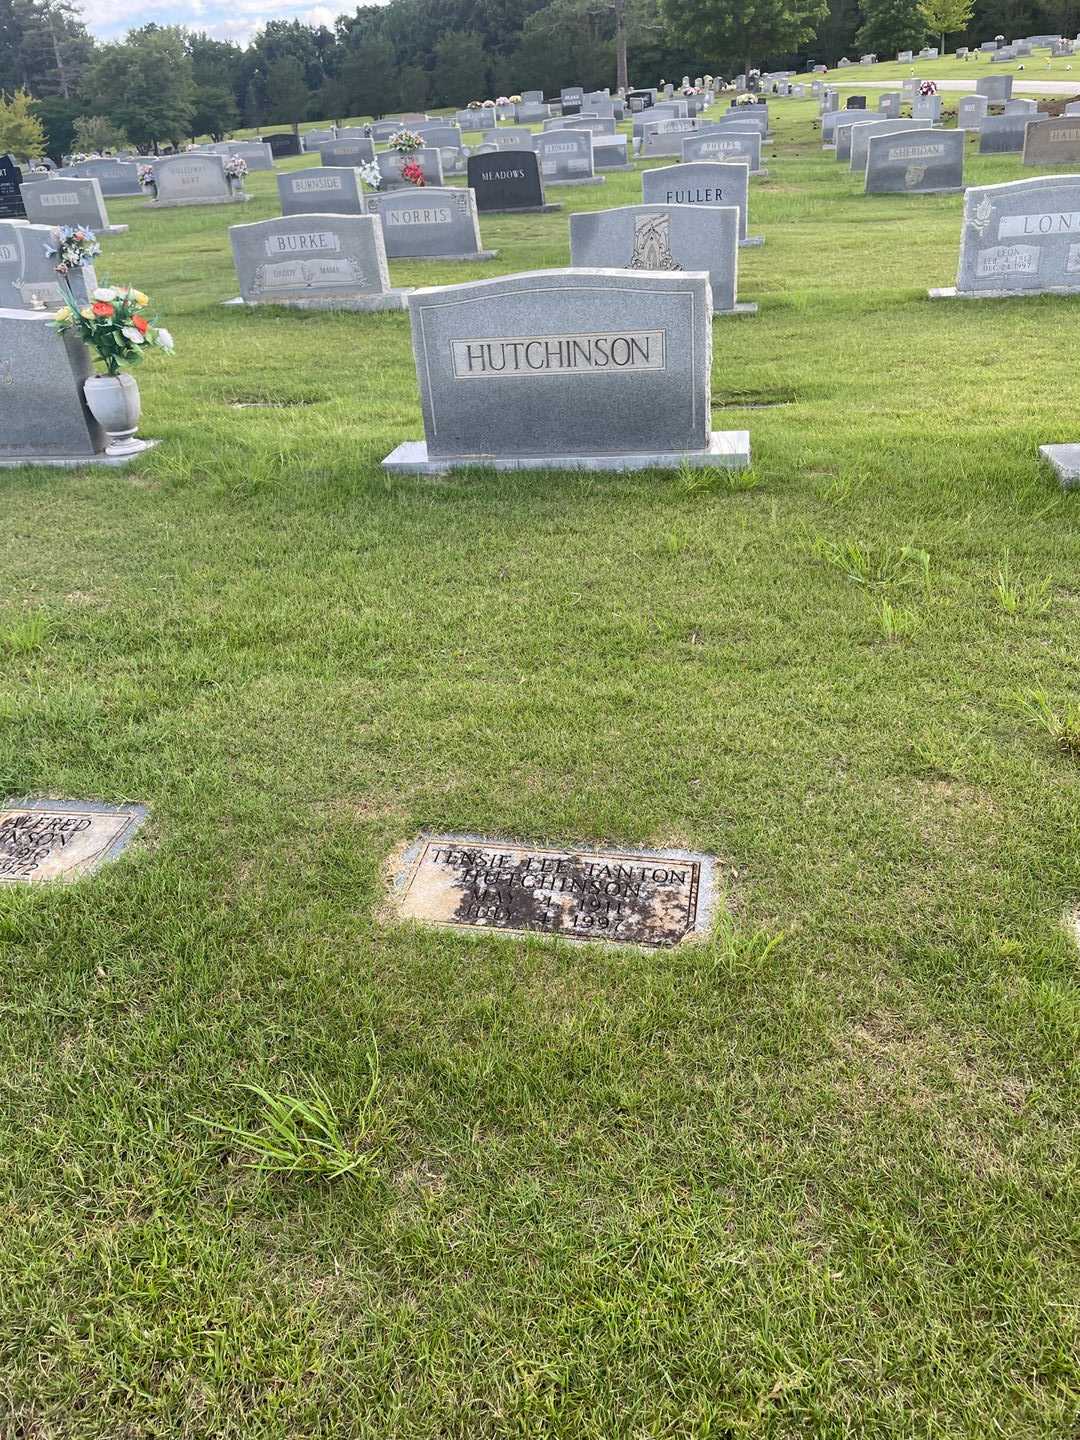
point(703, 182)
point(429, 224)
point(314, 262)
point(508, 180)
point(918, 162)
point(653, 898)
point(566, 369)
point(1021, 238)
point(43, 840)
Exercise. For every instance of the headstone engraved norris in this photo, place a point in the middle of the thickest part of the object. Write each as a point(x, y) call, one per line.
point(703, 182)
point(664, 237)
point(327, 190)
point(429, 224)
point(1020, 238)
point(656, 899)
point(916, 162)
point(566, 369)
point(43, 840)
point(509, 180)
point(314, 262)
point(74, 201)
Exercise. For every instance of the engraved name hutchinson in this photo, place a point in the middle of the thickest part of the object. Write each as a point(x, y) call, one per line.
point(558, 354)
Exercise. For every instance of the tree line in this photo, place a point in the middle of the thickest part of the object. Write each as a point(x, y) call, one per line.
point(165, 84)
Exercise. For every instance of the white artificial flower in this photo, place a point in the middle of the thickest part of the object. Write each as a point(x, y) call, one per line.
point(130, 333)
point(105, 292)
point(165, 340)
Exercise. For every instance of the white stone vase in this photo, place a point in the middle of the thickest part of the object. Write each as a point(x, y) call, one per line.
point(113, 401)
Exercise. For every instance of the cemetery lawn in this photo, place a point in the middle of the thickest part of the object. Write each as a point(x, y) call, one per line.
point(813, 1177)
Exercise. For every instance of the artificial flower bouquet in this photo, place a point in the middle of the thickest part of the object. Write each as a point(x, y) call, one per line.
point(72, 247)
point(114, 324)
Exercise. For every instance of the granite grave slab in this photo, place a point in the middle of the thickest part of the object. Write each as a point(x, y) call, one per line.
point(996, 88)
point(350, 153)
point(117, 178)
point(321, 190)
point(1052, 142)
point(314, 262)
point(12, 206)
point(566, 157)
point(971, 111)
point(194, 180)
point(508, 181)
point(74, 201)
point(429, 224)
point(390, 165)
point(1020, 238)
point(725, 144)
point(1002, 134)
point(1065, 460)
point(703, 182)
point(45, 840)
point(860, 138)
point(915, 162)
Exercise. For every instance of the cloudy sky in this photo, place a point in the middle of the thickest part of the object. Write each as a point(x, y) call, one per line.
point(227, 19)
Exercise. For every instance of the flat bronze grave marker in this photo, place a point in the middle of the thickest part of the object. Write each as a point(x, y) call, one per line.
point(61, 839)
point(654, 898)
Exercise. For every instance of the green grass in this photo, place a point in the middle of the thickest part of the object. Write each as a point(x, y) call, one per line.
point(814, 1177)
point(1039, 66)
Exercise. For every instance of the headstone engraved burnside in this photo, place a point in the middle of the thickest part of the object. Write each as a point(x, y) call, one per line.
point(631, 898)
point(44, 840)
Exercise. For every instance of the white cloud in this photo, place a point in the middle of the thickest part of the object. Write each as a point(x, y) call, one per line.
point(226, 19)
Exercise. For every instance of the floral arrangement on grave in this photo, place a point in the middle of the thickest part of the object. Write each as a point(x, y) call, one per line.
point(488, 105)
point(235, 170)
point(503, 100)
point(927, 87)
point(74, 248)
point(114, 325)
point(370, 174)
point(147, 178)
point(405, 142)
point(514, 100)
point(413, 173)
point(473, 105)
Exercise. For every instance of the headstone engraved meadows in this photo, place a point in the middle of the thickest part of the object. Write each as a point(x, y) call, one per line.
point(429, 224)
point(1052, 142)
point(703, 182)
point(28, 278)
point(1002, 134)
point(915, 162)
point(507, 181)
point(664, 237)
point(725, 144)
point(1021, 238)
point(567, 369)
point(315, 262)
point(73, 201)
point(11, 201)
point(194, 180)
point(43, 840)
point(390, 165)
point(996, 88)
point(347, 152)
point(566, 157)
point(971, 111)
point(656, 899)
point(116, 177)
point(331, 190)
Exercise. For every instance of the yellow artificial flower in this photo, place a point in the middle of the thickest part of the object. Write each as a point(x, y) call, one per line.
point(63, 315)
point(140, 298)
point(86, 313)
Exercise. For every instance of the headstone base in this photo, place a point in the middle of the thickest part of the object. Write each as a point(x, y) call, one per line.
point(389, 300)
point(751, 241)
point(476, 255)
point(241, 199)
point(606, 168)
point(727, 450)
point(1066, 462)
point(741, 308)
point(112, 230)
point(75, 462)
point(523, 210)
point(950, 292)
point(585, 180)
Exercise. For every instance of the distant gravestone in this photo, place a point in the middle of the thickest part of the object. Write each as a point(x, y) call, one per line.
point(284, 144)
point(1052, 142)
point(314, 262)
point(194, 180)
point(846, 129)
point(996, 88)
point(905, 57)
point(1020, 238)
point(116, 177)
point(576, 369)
point(725, 144)
point(312, 139)
point(351, 153)
point(971, 111)
point(507, 181)
point(664, 237)
point(382, 130)
point(74, 201)
point(28, 278)
point(916, 162)
point(256, 155)
point(390, 165)
point(1021, 107)
point(42, 840)
point(532, 97)
point(860, 139)
point(429, 224)
point(856, 102)
point(566, 157)
point(1002, 134)
point(703, 182)
point(532, 114)
point(331, 190)
point(889, 104)
point(11, 201)
point(926, 108)
point(512, 137)
point(475, 120)
point(611, 152)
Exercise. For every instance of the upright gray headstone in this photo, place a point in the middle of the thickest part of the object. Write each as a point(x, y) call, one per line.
point(926, 108)
point(1020, 238)
point(971, 111)
point(429, 224)
point(194, 180)
point(915, 162)
point(566, 157)
point(889, 104)
point(116, 177)
point(1022, 107)
point(350, 152)
point(582, 369)
point(28, 278)
point(390, 165)
point(315, 262)
point(76, 200)
point(43, 415)
point(703, 182)
point(725, 144)
point(1046, 142)
point(860, 138)
point(844, 132)
point(329, 190)
point(1002, 134)
point(996, 88)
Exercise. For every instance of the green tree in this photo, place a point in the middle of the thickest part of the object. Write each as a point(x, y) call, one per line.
point(460, 72)
point(21, 132)
point(214, 112)
point(44, 47)
point(368, 81)
point(58, 117)
point(889, 26)
point(946, 17)
point(414, 87)
point(145, 86)
point(287, 91)
point(743, 32)
point(97, 133)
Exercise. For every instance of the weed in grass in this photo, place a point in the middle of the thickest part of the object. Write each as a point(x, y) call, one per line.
point(874, 563)
point(1016, 596)
point(694, 480)
point(895, 622)
point(740, 954)
point(1062, 725)
point(26, 636)
point(303, 1136)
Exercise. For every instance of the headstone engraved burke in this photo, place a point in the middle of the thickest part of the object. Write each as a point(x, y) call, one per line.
point(429, 224)
point(43, 840)
point(664, 237)
point(11, 201)
point(75, 201)
point(566, 369)
point(1052, 142)
point(194, 180)
point(1020, 238)
point(566, 158)
point(703, 182)
point(641, 898)
point(330, 190)
point(916, 162)
point(314, 262)
point(507, 181)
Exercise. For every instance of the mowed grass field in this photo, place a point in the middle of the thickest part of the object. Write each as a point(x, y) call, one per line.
point(815, 1177)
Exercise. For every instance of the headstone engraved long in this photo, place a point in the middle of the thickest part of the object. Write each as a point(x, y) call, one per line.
point(566, 157)
point(116, 177)
point(996, 88)
point(314, 262)
point(725, 144)
point(915, 162)
point(194, 180)
point(507, 181)
point(330, 190)
point(390, 165)
point(11, 179)
point(971, 111)
point(42, 840)
point(566, 369)
point(28, 278)
point(664, 237)
point(703, 182)
point(350, 153)
point(74, 201)
point(1052, 142)
point(429, 224)
point(1002, 134)
point(1020, 238)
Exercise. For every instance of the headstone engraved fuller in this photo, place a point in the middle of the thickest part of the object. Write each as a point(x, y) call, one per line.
point(75, 201)
point(331, 190)
point(568, 369)
point(926, 162)
point(664, 237)
point(703, 182)
point(1020, 238)
point(429, 224)
point(314, 262)
point(43, 840)
point(507, 181)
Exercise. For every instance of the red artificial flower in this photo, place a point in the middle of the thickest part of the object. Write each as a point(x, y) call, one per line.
point(140, 324)
point(102, 309)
